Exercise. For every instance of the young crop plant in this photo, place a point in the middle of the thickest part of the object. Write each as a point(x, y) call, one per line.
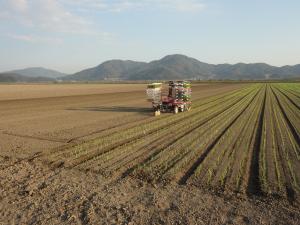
point(174, 154)
point(284, 153)
point(263, 148)
point(91, 149)
point(231, 142)
point(224, 147)
point(287, 154)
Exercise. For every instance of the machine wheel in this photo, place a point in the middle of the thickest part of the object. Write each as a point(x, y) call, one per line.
point(157, 113)
point(175, 109)
point(188, 108)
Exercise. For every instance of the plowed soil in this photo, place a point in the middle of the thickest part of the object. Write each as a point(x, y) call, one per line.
point(37, 120)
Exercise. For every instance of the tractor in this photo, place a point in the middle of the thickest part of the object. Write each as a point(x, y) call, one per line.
point(176, 99)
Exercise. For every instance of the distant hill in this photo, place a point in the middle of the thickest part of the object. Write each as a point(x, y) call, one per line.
point(183, 67)
point(38, 72)
point(112, 70)
point(13, 77)
point(174, 67)
point(170, 67)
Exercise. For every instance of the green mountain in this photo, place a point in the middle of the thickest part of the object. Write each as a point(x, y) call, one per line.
point(183, 67)
point(170, 67)
point(13, 77)
point(111, 70)
point(174, 67)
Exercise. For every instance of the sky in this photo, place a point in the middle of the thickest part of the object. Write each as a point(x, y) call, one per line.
point(71, 35)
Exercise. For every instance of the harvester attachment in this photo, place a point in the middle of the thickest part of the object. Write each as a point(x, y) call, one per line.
point(177, 100)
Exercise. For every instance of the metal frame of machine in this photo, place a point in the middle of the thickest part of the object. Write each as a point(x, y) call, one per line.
point(177, 100)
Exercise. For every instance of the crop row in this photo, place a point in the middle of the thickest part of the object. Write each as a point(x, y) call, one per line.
point(88, 150)
point(245, 141)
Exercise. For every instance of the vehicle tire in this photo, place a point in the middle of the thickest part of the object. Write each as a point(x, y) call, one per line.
point(188, 108)
point(175, 109)
point(157, 113)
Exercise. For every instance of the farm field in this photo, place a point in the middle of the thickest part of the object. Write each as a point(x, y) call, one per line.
point(81, 153)
point(35, 118)
point(246, 141)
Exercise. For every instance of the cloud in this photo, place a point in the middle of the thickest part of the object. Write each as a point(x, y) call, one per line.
point(67, 17)
point(126, 5)
point(64, 16)
point(35, 39)
point(184, 5)
point(49, 15)
point(19, 5)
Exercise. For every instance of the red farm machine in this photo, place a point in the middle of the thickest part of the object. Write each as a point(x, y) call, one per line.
point(177, 99)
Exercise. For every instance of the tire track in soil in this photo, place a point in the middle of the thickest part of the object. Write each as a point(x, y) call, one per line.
point(18, 161)
point(183, 180)
point(254, 185)
point(34, 137)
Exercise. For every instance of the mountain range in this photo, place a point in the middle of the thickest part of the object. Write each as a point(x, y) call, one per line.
point(169, 67)
point(13, 77)
point(38, 72)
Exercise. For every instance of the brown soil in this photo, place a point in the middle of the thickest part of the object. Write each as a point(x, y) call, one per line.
point(33, 193)
point(36, 119)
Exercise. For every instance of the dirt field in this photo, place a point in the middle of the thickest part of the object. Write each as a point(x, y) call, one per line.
point(52, 172)
point(30, 124)
point(29, 91)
